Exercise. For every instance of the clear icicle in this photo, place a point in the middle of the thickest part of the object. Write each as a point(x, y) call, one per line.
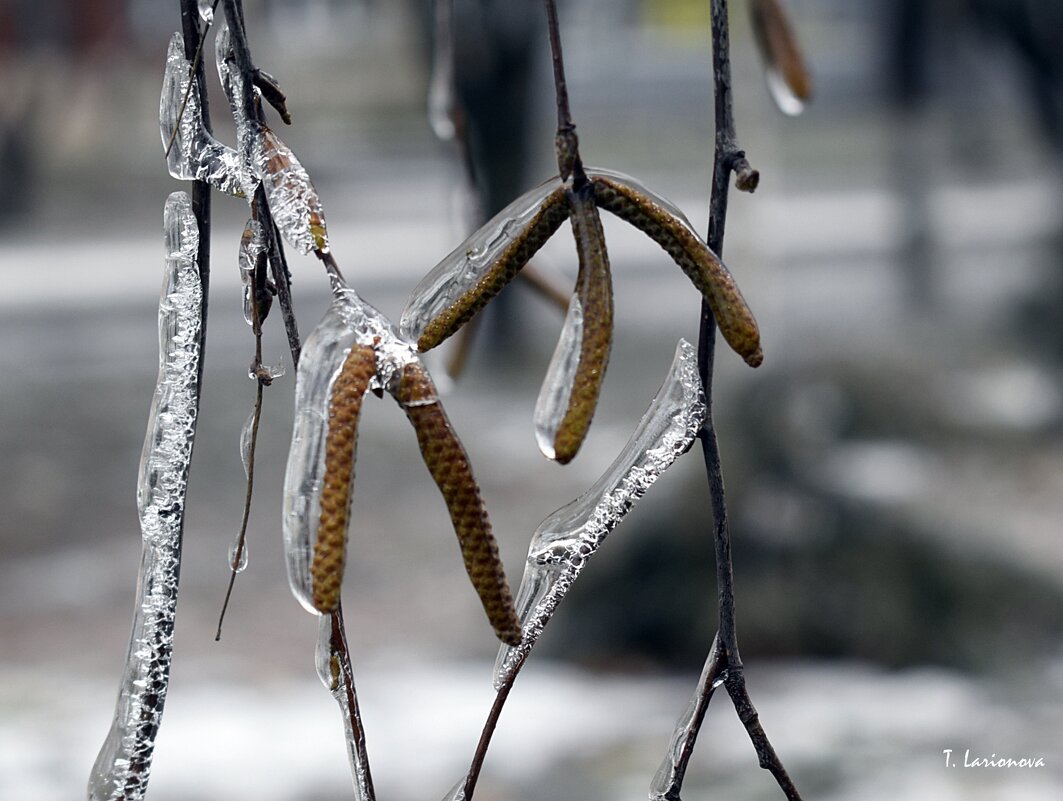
point(666, 782)
point(567, 538)
point(349, 320)
point(252, 248)
point(441, 91)
point(788, 103)
point(340, 685)
point(556, 390)
point(293, 201)
point(471, 260)
point(195, 155)
point(124, 762)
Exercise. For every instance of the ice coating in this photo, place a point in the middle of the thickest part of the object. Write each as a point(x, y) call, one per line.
point(635, 183)
point(252, 248)
point(195, 154)
point(293, 201)
point(246, 435)
point(206, 10)
point(785, 99)
point(567, 538)
point(666, 782)
point(348, 321)
point(470, 262)
point(457, 792)
point(552, 404)
point(340, 685)
point(124, 762)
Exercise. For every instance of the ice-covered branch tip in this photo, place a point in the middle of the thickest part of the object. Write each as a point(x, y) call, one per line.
point(353, 349)
point(566, 539)
point(477, 270)
point(788, 79)
point(122, 768)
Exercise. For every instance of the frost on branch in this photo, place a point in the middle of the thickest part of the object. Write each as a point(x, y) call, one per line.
point(566, 539)
point(124, 762)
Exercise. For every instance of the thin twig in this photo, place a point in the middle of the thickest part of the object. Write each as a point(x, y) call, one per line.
point(489, 726)
point(202, 36)
point(338, 640)
point(566, 141)
point(727, 158)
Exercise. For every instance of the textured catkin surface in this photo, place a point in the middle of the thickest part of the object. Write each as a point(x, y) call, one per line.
point(595, 289)
point(448, 463)
point(537, 231)
point(330, 545)
point(693, 256)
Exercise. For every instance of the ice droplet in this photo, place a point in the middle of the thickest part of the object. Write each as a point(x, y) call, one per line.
point(565, 540)
point(468, 263)
point(246, 435)
point(329, 665)
point(441, 93)
point(252, 248)
point(457, 792)
point(348, 320)
point(238, 554)
point(195, 154)
point(206, 10)
point(123, 765)
point(556, 390)
point(788, 103)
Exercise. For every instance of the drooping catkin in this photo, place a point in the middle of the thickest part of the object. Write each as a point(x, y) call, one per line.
point(693, 256)
point(595, 291)
point(449, 465)
point(552, 212)
point(330, 545)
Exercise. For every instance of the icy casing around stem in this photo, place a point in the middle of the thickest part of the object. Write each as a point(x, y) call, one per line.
point(124, 762)
point(567, 538)
point(472, 260)
point(293, 201)
point(195, 155)
point(252, 248)
point(348, 321)
point(556, 390)
point(340, 684)
point(667, 781)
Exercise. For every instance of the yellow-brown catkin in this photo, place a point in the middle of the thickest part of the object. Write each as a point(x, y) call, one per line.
point(694, 257)
point(330, 545)
point(449, 465)
point(594, 289)
point(778, 44)
point(552, 212)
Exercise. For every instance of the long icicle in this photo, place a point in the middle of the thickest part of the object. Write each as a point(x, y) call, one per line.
point(122, 768)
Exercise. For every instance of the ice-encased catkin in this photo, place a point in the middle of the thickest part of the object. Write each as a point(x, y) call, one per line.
point(349, 322)
point(566, 539)
point(252, 250)
point(477, 270)
point(340, 684)
point(122, 768)
point(194, 155)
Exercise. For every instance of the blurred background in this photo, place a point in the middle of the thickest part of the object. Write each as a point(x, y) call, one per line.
point(895, 468)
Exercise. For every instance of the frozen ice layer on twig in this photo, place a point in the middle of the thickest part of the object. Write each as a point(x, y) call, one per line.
point(124, 762)
point(566, 539)
point(293, 201)
point(206, 10)
point(194, 154)
point(666, 782)
point(252, 251)
point(340, 684)
point(478, 269)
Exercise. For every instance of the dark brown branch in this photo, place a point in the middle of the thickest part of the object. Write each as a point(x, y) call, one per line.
point(566, 141)
point(489, 727)
point(338, 640)
point(727, 158)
